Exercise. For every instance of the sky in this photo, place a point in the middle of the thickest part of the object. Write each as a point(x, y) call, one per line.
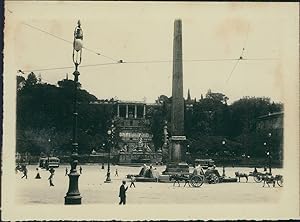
point(139, 32)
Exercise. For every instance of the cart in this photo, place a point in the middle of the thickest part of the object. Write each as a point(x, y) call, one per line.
point(196, 180)
point(258, 177)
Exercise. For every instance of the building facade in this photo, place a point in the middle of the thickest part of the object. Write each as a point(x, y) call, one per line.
point(134, 140)
point(132, 126)
point(271, 127)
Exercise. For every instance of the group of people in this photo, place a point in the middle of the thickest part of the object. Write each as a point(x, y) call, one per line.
point(122, 191)
point(24, 170)
point(67, 171)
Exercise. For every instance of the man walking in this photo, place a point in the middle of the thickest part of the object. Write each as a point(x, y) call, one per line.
point(80, 170)
point(132, 181)
point(122, 193)
point(116, 174)
point(24, 172)
point(51, 177)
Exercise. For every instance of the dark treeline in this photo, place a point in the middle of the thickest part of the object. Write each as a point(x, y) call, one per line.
point(44, 117)
point(44, 121)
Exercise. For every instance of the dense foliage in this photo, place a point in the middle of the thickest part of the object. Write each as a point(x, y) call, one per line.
point(44, 117)
point(44, 121)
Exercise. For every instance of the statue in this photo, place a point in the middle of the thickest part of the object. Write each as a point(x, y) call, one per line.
point(147, 148)
point(124, 148)
point(143, 170)
point(140, 142)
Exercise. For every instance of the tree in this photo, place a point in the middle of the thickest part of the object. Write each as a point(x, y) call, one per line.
point(20, 82)
point(68, 84)
point(220, 97)
point(31, 80)
point(41, 107)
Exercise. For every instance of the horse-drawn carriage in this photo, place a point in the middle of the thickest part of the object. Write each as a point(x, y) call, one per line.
point(267, 177)
point(198, 177)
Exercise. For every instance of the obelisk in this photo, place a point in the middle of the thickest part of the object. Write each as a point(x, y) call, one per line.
point(177, 149)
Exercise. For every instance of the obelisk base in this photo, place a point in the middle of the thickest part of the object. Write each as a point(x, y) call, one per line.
point(177, 150)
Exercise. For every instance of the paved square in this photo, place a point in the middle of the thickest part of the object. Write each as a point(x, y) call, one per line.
point(93, 189)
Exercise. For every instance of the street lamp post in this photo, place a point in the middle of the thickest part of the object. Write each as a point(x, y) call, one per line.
point(103, 145)
point(269, 161)
point(223, 143)
point(269, 152)
point(248, 157)
point(187, 153)
point(108, 180)
point(73, 194)
point(266, 152)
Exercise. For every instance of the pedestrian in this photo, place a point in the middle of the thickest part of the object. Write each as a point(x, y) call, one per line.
point(122, 193)
point(132, 181)
point(51, 170)
point(18, 167)
point(24, 172)
point(102, 166)
point(51, 178)
point(255, 170)
point(38, 176)
point(66, 171)
point(80, 170)
point(116, 174)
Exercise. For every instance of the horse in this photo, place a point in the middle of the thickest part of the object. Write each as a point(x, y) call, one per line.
point(239, 175)
point(269, 179)
point(177, 178)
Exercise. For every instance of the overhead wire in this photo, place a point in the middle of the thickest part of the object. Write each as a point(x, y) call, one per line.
point(64, 67)
point(235, 65)
point(144, 62)
point(62, 39)
point(65, 40)
point(141, 62)
point(241, 55)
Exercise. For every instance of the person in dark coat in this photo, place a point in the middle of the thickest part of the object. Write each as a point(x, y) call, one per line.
point(80, 170)
point(51, 178)
point(122, 193)
point(38, 176)
point(24, 172)
point(51, 170)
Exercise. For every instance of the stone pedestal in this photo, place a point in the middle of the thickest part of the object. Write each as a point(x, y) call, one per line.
point(176, 168)
point(177, 149)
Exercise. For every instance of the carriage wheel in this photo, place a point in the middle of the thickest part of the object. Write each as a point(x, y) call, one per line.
point(257, 178)
point(214, 179)
point(280, 182)
point(197, 181)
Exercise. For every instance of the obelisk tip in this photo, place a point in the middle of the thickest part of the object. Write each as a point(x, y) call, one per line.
point(177, 20)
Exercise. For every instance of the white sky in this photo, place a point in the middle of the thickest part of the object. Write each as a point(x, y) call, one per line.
point(144, 32)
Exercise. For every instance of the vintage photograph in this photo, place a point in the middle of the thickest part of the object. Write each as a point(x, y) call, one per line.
point(144, 110)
